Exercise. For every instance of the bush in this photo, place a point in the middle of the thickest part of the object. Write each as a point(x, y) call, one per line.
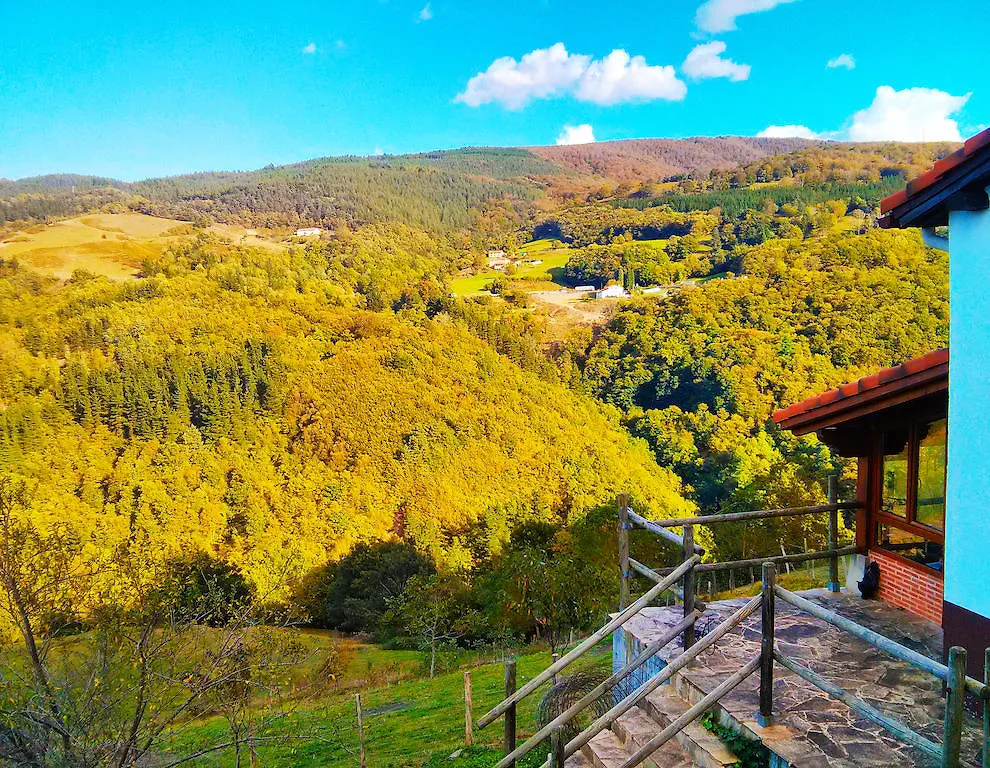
point(210, 591)
point(353, 595)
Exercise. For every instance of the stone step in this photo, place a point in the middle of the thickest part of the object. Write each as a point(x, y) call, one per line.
point(577, 760)
point(636, 728)
point(706, 750)
point(611, 749)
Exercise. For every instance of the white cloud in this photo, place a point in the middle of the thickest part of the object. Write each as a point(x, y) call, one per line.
point(576, 134)
point(787, 132)
point(706, 61)
point(541, 74)
point(549, 72)
point(311, 48)
point(620, 77)
point(720, 15)
point(842, 60)
point(914, 114)
point(426, 14)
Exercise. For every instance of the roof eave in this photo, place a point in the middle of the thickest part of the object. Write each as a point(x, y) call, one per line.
point(963, 188)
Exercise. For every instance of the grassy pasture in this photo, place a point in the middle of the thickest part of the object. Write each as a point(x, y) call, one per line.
point(404, 723)
point(552, 253)
point(109, 244)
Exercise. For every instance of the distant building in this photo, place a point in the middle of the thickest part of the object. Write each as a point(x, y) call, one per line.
point(611, 292)
point(585, 288)
point(498, 260)
point(536, 262)
point(309, 232)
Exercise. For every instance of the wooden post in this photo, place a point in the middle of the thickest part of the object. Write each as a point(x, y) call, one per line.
point(509, 742)
point(689, 600)
point(625, 574)
point(986, 711)
point(833, 534)
point(360, 725)
point(468, 725)
point(955, 699)
point(553, 660)
point(765, 716)
point(557, 745)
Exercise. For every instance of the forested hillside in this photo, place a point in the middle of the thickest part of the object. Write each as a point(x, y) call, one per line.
point(656, 159)
point(274, 406)
point(240, 403)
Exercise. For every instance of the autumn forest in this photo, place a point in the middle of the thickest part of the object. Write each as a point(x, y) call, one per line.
point(215, 419)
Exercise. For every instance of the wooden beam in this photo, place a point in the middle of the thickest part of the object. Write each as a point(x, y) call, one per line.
point(643, 753)
point(589, 643)
point(759, 514)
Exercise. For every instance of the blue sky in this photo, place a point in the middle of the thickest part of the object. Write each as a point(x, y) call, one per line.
point(136, 90)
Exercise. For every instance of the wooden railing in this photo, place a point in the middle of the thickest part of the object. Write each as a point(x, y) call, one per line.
point(953, 674)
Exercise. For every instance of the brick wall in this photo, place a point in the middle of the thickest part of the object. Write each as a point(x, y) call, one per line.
point(909, 588)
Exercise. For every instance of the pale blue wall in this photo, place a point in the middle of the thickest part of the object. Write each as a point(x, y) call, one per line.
point(967, 541)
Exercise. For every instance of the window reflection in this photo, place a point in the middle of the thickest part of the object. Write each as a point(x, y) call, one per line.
point(910, 545)
point(895, 472)
point(931, 474)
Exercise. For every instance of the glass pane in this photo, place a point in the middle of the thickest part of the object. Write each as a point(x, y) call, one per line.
point(910, 545)
point(931, 474)
point(895, 472)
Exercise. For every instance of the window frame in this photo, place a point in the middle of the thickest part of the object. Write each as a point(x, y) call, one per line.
point(909, 523)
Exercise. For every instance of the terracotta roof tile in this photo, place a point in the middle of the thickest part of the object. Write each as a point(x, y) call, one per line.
point(925, 180)
point(865, 384)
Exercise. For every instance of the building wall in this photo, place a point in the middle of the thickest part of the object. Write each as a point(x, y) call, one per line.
point(909, 588)
point(967, 526)
point(967, 537)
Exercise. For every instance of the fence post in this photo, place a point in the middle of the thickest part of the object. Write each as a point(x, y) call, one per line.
point(509, 742)
point(689, 601)
point(833, 534)
point(955, 698)
point(765, 716)
point(468, 706)
point(624, 571)
point(360, 726)
point(986, 711)
point(557, 745)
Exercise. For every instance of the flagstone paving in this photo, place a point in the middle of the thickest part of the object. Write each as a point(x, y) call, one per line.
point(812, 730)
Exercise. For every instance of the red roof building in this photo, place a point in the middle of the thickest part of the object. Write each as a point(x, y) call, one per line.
point(924, 509)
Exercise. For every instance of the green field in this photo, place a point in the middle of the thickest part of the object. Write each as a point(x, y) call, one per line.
point(404, 723)
point(552, 253)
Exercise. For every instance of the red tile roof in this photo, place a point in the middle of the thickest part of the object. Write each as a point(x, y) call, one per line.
point(850, 399)
point(936, 173)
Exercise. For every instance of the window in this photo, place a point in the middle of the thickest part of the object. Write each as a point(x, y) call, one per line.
point(895, 472)
point(913, 482)
point(911, 515)
point(910, 545)
point(930, 494)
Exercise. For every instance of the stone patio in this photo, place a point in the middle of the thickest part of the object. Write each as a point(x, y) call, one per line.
point(813, 730)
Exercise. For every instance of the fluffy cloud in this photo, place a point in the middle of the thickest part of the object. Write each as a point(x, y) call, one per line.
point(549, 72)
point(620, 77)
point(914, 114)
point(426, 14)
point(311, 48)
point(720, 15)
point(576, 134)
point(787, 132)
point(706, 61)
point(842, 60)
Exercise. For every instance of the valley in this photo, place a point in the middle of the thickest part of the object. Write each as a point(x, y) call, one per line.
point(411, 427)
